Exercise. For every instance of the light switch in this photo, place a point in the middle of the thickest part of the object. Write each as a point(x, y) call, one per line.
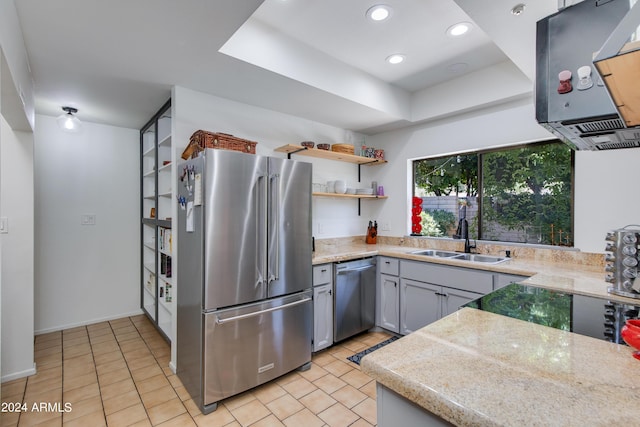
point(4, 225)
point(88, 219)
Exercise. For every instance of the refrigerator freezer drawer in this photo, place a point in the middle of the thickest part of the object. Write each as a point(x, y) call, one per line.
point(250, 345)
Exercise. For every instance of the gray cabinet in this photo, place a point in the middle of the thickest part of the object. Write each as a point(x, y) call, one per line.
point(420, 305)
point(466, 279)
point(453, 299)
point(388, 294)
point(429, 291)
point(322, 306)
point(412, 294)
point(423, 303)
point(388, 306)
point(501, 280)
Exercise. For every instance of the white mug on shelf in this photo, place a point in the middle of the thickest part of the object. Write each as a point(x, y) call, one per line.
point(331, 186)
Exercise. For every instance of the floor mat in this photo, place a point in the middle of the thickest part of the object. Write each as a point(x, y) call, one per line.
point(356, 357)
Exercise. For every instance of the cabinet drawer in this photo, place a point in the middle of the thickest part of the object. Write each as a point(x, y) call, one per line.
point(322, 274)
point(389, 266)
point(454, 277)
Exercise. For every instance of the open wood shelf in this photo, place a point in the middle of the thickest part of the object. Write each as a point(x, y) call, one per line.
point(349, 196)
point(327, 154)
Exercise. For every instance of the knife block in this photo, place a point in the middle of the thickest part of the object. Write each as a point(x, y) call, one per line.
point(372, 237)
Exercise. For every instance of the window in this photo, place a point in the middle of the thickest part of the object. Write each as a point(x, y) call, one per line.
point(520, 194)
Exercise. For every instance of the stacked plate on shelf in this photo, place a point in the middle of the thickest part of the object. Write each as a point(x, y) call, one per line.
point(365, 191)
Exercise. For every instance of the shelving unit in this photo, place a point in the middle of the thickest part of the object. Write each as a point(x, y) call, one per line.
point(326, 154)
point(348, 196)
point(157, 285)
point(340, 157)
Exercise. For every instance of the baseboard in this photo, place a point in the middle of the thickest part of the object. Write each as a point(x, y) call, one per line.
point(172, 366)
point(17, 375)
point(88, 322)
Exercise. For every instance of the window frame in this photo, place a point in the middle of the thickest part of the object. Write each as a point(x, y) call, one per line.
point(480, 154)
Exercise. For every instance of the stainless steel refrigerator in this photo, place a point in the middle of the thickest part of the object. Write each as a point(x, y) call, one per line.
point(244, 272)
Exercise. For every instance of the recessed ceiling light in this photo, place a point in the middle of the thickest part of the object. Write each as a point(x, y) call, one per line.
point(379, 12)
point(518, 9)
point(396, 58)
point(459, 29)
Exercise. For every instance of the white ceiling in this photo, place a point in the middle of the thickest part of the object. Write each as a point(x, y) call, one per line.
point(117, 60)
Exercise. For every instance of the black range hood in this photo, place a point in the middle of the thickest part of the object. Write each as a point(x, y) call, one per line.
point(575, 82)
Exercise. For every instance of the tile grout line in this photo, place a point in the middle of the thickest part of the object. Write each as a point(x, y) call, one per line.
point(163, 373)
point(104, 414)
point(128, 369)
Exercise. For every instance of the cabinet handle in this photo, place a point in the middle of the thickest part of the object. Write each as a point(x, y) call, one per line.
point(387, 262)
point(330, 292)
point(441, 294)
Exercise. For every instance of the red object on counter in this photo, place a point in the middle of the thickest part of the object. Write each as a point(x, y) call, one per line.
point(416, 220)
point(631, 335)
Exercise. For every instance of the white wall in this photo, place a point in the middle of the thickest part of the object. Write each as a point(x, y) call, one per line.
point(16, 203)
point(22, 113)
point(605, 195)
point(195, 110)
point(602, 201)
point(84, 273)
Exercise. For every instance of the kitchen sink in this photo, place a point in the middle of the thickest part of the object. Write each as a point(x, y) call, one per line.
point(486, 259)
point(439, 254)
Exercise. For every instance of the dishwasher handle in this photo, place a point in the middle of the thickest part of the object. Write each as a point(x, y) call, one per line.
point(346, 268)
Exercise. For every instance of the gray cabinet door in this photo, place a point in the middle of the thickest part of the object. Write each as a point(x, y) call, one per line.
point(388, 303)
point(501, 280)
point(419, 305)
point(322, 317)
point(452, 299)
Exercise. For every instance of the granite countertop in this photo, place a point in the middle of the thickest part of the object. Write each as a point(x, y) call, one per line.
point(560, 271)
point(474, 368)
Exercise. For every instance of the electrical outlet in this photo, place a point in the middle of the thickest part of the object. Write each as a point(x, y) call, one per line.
point(385, 226)
point(4, 225)
point(320, 228)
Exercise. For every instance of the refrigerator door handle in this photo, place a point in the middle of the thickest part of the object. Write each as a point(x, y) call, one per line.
point(261, 229)
point(274, 231)
point(220, 321)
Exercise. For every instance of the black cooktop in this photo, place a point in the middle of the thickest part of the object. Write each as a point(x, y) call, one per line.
point(591, 316)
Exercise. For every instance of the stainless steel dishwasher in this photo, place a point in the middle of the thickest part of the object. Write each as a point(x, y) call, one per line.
point(354, 297)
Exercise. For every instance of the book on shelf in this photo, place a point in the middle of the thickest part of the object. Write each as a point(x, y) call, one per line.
point(165, 241)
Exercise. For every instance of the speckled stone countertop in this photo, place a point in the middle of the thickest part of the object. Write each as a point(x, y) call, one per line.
point(474, 368)
point(571, 271)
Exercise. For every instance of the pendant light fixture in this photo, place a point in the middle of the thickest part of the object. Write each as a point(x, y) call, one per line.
point(68, 122)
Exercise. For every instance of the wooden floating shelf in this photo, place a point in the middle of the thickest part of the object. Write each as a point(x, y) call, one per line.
point(327, 154)
point(349, 196)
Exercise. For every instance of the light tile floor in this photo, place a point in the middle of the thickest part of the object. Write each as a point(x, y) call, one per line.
point(116, 373)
